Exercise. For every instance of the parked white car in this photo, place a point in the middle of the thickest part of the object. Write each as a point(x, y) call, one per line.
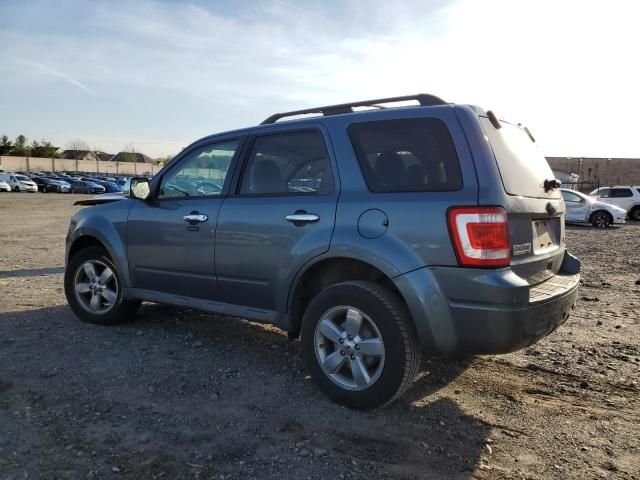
point(623, 196)
point(19, 183)
point(582, 208)
point(4, 186)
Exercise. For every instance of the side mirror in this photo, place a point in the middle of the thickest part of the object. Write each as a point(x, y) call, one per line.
point(138, 188)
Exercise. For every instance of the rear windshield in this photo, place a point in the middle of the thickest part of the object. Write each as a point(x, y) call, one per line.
point(522, 166)
point(406, 155)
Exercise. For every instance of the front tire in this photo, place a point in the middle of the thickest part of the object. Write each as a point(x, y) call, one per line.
point(601, 219)
point(94, 288)
point(359, 344)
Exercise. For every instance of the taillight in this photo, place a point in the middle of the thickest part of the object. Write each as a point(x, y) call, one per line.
point(480, 236)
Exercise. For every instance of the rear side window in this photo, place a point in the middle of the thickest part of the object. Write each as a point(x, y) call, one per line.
point(621, 192)
point(293, 163)
point(407, 155)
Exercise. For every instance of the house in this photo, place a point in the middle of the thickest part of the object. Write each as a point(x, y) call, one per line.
point(104, 156)
point(132, 157)
point(80, 155)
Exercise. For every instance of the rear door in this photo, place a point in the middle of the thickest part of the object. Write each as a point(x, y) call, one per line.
point(534, 205)
point(170, 238)
point(281, 215)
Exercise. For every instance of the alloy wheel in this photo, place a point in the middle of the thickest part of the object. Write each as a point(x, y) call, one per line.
point(96, 287)
point(349, 348)
point(601, 220)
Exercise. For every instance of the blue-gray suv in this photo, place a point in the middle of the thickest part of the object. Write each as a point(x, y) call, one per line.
point(375, 231)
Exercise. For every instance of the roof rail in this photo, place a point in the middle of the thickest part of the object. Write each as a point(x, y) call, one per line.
point(425, 100)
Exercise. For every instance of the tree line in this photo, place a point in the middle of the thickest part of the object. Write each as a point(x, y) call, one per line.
point(21, 147)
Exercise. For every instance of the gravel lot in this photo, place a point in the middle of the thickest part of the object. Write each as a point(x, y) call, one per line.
point(183, 394)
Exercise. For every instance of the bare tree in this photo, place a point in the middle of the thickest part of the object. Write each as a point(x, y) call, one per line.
point(77, 144)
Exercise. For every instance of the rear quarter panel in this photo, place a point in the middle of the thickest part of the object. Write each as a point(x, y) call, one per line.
point(417, 234)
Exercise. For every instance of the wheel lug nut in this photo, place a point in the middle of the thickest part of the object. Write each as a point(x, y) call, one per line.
point(342, 352)
point(321, 345)
point(349, 337)
point(357, 347)
point(352, 356)
point(341, 341)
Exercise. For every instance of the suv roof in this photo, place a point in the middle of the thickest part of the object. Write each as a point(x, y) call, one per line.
point(424, 99)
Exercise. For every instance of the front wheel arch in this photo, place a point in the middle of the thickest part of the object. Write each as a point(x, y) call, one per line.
point(596, 214)
point(83, 242)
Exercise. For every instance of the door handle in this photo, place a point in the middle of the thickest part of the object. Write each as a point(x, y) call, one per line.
point(195, 217)
point(303, 217)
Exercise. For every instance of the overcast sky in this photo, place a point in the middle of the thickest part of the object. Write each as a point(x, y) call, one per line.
point(160, 74)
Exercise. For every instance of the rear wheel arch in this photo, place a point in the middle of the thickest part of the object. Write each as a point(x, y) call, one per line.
point(331, 271)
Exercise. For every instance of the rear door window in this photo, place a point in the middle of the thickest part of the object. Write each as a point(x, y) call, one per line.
point(406, 155)
point(522, 165)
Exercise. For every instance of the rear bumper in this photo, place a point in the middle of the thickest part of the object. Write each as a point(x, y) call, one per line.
point(473, 311)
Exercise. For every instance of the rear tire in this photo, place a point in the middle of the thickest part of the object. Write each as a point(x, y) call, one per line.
point(16, 189)
point(601, 219)
point(94, 288)
point(360, 345)
point(634, 214)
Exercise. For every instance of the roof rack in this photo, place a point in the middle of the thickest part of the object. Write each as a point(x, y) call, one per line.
point(425, 100)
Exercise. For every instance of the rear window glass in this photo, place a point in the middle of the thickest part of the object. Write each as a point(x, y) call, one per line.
point(522, 165)
point(407, 155)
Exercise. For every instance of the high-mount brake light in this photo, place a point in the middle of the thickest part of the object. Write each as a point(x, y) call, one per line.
point(480, 236)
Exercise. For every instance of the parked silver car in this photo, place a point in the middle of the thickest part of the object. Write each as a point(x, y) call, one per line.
point(582, 208)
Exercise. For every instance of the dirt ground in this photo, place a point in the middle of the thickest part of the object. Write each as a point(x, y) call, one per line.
point(183, 394)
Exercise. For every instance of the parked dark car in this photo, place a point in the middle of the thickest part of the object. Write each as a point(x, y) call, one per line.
point(46, 184)
point(376, 236)
point(80, 186)
point(109, 187)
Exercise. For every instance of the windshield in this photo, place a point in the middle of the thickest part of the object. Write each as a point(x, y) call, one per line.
point(22, 178)
point(522, 165)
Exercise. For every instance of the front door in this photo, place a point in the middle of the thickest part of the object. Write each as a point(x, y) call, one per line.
point(281, 215)
point(577, 207)
point(170, 238)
